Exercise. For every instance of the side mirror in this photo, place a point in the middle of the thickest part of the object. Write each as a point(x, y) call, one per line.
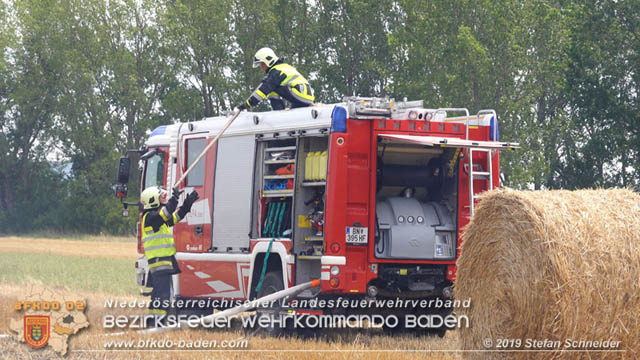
point(148, 154)
point(123, 170)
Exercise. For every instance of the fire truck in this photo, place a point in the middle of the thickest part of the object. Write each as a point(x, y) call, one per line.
point(369, 196)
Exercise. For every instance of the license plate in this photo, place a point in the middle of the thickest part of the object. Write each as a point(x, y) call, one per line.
point(357, 235)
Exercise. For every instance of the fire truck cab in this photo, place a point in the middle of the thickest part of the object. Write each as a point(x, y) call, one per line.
point(369, 195)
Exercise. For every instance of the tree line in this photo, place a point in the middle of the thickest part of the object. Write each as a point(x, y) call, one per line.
point(81, 81)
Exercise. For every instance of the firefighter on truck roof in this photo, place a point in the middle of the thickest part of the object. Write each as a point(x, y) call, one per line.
point(157, 240)
point(283, 81)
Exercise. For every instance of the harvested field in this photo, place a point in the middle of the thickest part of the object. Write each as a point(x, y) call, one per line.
point(91, 343)
point(553, 266)
point(90, 248)
point(27, 256)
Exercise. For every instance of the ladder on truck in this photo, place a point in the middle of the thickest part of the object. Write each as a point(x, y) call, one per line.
point(482, 175)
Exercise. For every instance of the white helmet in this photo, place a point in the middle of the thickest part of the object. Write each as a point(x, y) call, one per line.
point(266, 56)
point(150, 197)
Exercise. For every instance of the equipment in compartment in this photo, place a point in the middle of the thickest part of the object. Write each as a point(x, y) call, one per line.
point(288, 169)
point(315, 250)
point(283, 184)
point(316, 166)
point(410, 229)
point(277, 171)
point(316, 216)
point(310, 206)
point(279, 168)
point(416, 204)
point(277, 219)
point(282, 155)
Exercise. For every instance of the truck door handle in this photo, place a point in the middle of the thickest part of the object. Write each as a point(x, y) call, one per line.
point(198, 230)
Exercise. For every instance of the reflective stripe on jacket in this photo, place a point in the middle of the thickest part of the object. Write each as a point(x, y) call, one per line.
point(158, 246)
point(281, 75)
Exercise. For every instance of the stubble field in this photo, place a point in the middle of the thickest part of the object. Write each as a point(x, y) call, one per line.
point(98, 268)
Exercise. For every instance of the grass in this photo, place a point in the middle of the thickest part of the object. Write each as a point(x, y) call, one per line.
point(104, 275)
point(74, 237)
point(64, 247)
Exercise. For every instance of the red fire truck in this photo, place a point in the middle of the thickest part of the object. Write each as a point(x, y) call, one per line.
point(370, 196)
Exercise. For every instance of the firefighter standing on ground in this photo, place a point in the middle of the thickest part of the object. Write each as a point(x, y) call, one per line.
point(283, 81)
point(157, 241)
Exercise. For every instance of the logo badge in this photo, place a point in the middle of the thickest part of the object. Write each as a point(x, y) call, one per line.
point(36, 330)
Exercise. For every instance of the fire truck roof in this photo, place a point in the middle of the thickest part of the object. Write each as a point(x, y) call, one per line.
point(316, 117)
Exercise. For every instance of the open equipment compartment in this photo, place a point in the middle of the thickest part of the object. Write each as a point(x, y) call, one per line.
point(275, 177)
point(309, 206)
point(416, 201)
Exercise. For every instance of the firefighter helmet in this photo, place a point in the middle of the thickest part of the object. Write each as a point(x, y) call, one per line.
point(150, 197)
point(266, 56)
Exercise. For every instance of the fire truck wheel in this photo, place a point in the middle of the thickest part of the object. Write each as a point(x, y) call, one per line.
point(272, 283)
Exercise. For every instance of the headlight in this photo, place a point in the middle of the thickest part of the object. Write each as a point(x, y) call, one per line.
point(400, 219)
point(335, 270)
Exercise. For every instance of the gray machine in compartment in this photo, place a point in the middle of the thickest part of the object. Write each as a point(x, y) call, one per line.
point(409, 229)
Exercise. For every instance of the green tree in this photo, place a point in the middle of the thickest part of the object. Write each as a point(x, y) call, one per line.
point(353, 55)
point(540, 120)
point(30, 89)
point(116, 85)
point(201, 42)
point(507, 55)
point(81, 81)
point(7, 33)
point(255, 26)
point(602, 147)
point(86, 82)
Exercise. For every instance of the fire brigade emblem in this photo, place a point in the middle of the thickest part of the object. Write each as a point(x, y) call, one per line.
point(36, 330)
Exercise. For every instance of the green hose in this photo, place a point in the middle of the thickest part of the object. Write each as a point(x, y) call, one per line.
point(264, 266)
point(280, 216)
point(274, 220)
point(272, 228)
point(268, 219)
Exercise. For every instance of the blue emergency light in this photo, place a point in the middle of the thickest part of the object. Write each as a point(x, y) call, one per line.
point(494, 129)
point(339, 119)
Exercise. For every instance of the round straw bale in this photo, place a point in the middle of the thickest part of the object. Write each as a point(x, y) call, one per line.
point(547, 267)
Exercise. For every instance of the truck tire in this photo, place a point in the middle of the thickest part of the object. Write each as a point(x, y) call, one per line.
point(272, 283)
